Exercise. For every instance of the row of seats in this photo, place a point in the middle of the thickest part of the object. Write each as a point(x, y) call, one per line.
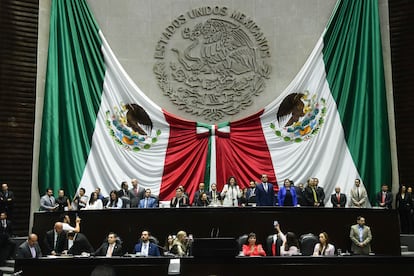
point(307, 243)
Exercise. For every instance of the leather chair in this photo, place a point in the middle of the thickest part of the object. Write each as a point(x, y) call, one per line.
point(307, 244)
point(269, 244)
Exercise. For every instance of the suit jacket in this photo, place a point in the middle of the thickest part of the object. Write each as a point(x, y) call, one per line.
point(47, 203)
point(342, 200)
point(197, 196)
point(135, 198)
point(388, 199)
point(49, 241)
point(152, 250)
point(152, 203)
point(80, 244)
point(265, 198)
point(103, 249)
point(23, 252)
point(181, 202)
point(320, 195)
point(359, 200)
point(366, 240)
point(217, 196)
point(8, 230)
point(5, 203)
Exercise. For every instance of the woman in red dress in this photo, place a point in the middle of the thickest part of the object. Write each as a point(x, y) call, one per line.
point(251, 248)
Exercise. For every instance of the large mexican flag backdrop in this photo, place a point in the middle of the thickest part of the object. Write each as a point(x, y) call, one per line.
point(100, 129)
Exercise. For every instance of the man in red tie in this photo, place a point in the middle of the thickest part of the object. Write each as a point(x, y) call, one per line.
point(338, 199)
point(384, 197)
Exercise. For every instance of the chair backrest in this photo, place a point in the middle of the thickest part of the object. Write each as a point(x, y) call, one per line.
point(242, 240)
point(269, 244)
point(307, 244)
point(126, 203)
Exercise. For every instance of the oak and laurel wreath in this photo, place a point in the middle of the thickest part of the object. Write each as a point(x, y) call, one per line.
point(128, 133)
point(314, 131)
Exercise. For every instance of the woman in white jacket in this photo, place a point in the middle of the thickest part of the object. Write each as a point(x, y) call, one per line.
point(324, 248)
point(231, 193)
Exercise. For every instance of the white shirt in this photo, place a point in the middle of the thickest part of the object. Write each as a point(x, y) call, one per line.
point(110, 250)
point(144, 248)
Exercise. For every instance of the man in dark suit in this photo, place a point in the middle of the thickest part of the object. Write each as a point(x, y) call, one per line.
point(29, 249)
point(5, 225)
point(145, 247)
point(124, 192)
point(384, 197)
point(338, 199)
point(6, 200)
point(77, 244)
point(55, 240)
point(136, 193)
point(7, 246)
point(265, 194)
point(112, 247)
point(314, 195)
point(197, 194)
point(251, 193)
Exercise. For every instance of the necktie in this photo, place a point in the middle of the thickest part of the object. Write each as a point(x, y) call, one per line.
point(265, 187)
point(315, 197)
point(274, 249)
point(136, 192)
point(383, 198)
point(146, 203)
point(339, 198)
point(358, 193)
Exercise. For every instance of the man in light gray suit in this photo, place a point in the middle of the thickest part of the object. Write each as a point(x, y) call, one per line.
point(361, 237)
point(30, 249)
point(359, 196)
point(136, 193)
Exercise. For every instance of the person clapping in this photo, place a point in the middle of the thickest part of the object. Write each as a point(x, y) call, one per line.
point(251, 248)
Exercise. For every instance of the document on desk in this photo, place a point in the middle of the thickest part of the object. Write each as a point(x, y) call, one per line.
point(174, 267)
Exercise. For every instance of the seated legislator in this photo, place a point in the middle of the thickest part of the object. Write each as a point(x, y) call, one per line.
point(251, 248)
point(179, 200)
point(111, 247)
point(114, 201)
point(55, 240)
point(179, 247)
point(202, 200)
point(30, 249)
point(324, 248)
point(338, 199)
point(148, 201)
point(94, 202)
point(145, 247)
point(77, 243)
point(290, 245)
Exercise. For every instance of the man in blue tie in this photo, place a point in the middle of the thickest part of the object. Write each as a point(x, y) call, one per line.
point(148, 201)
